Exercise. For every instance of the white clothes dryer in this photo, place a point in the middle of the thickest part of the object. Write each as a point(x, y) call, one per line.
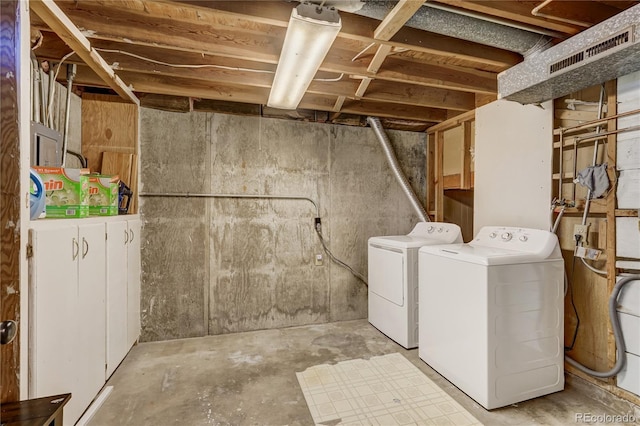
point(393, 278)
point(492, 314)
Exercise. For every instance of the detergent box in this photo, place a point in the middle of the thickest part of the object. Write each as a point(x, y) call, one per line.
point(67, 191)
point(103, 195)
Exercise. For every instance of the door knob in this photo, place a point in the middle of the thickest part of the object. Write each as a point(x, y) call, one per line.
point(8, 331)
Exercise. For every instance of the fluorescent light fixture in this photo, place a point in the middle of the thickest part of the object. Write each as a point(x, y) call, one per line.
point(311, 32)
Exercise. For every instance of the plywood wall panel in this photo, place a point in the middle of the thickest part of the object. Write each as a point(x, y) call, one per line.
point(589, 290)
point(108, 124)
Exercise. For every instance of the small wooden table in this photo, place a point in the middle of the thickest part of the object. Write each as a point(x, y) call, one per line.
point(45, 411)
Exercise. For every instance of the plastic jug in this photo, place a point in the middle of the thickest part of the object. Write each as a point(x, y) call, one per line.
point(37, 199)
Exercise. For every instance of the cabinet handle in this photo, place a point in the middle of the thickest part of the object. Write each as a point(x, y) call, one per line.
point(126, 236)
point(131, 235)
point(85, 247)
point(75, 249)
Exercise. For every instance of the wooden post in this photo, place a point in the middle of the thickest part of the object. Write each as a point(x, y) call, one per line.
point(9, 195)
point(439, 188)
point(465, 173)
point(611, 156)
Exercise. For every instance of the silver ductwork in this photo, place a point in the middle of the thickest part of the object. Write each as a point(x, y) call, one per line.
point(601, 53)
point(395, 168)
point(443, 20)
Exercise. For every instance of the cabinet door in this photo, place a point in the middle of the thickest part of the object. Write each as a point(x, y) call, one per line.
point(116, 294)
point(52, 310)
point(133, 283)
point(90, 341)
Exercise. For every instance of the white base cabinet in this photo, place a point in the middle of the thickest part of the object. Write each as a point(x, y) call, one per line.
point(123, 290)
point(80, 286)
point(133, 282)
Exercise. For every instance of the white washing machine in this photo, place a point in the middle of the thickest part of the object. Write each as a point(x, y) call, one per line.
point(492, 314)
point(393, 278)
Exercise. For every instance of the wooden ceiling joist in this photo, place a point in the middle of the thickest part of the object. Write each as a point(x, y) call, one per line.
point(67, 31)
point(227, 51)
point(227, 21)
point(175, 86)
point(391, 24)
point(395, 20)
point(397, 69)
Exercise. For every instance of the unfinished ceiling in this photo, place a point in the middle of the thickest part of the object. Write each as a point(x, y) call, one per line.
point(412, 62)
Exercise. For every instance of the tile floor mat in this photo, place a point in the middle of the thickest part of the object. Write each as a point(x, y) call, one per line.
point(384, 390)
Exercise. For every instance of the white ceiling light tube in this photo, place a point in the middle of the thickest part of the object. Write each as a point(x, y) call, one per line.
point(310, 34)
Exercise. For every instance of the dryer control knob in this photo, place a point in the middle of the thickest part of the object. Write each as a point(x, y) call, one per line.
point(506, 236)
point(440, 229)
point(523, 238)
point(493, 235)
point(430, 229)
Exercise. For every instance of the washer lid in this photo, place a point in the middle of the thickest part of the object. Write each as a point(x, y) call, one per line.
point(483, 255)
point(423, 234)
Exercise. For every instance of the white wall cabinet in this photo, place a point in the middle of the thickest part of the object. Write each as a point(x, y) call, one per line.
point(84, 305)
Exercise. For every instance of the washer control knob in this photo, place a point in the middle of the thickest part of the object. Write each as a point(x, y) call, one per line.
point(523, 238)
point(430, 229)
point(506, 236)
point(493, 235)
point(440, 229)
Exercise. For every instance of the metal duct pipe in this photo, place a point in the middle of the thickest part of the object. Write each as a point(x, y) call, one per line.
point(395, 168)
point(71, 74)
point(463, 26)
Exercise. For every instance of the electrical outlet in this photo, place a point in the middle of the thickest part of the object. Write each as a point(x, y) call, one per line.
point(319, 259)
point(583, 232)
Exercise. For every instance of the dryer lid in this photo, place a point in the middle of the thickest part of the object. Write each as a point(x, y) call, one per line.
point(423, 234)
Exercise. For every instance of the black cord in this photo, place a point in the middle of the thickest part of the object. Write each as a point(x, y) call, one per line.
point(570, 288)
point(317, 228)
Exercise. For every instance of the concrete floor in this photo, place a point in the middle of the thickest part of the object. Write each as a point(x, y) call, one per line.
point(249, 379)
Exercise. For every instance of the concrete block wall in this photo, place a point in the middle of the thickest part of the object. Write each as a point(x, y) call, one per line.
point(217, 265)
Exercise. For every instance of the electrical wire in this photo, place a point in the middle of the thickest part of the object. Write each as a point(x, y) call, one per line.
point(335, 259)
point(362, 51)
point(575, 310)
point(168, 64)
point(39, 41)
point(53, 89)
point(330, 79)
point(197, 66)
